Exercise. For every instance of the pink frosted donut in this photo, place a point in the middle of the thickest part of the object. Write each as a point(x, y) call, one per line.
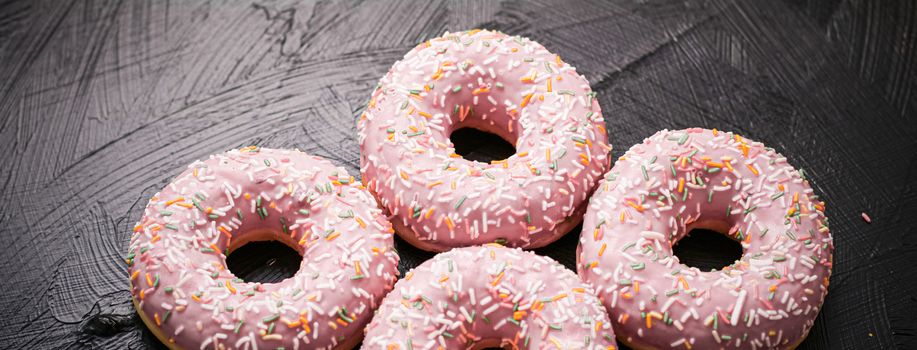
point(490, 296)
point(696, 178)
point(510, 86)
point(186, 296)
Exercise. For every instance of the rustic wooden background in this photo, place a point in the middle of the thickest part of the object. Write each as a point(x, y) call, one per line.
point(103, 102)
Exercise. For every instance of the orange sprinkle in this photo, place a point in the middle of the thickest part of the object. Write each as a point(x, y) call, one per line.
point(142, 294)
point(559, 296)
point(549, 84)
point(156, 316)
point(602, 250)
point(429, 213)
point(479, 91)
point(155, 239)
point(230, 287)
point(149, 281)
point(404, 175)
point(497, 280)
point(683, 282)
point(224, 230)
point(434, 184)
point(636, 206)
point(185, 205)
point(728, 165)
point(714, 164)
point(681, 185)
point(637, 287)
point(449, 223)
point(518, 315)
point(360, 221)
point(135, 274)
point(425, 114)
point(752, 168)
point(649, 321)
point(526, 100)
point(443, 279)
point(332, 236)
point(356, 266)
point(176, 200)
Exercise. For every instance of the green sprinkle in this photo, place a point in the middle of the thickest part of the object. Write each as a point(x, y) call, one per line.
point(778, 195)
point(165, 213)
point(645, 176)
point(459, 203)
point(457, 88)
point(683, 138)
point(638, 266)
point(172, 227)
point(238, 326)
point(270, 319)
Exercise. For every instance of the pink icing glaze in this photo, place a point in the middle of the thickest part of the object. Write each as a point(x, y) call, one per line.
point(489, 296)
point(178, 270)
point(678, 180)
point(510, 86)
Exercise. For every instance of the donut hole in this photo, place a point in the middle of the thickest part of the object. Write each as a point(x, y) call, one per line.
point(263, 261)
point(479, 145)
point(707, 249)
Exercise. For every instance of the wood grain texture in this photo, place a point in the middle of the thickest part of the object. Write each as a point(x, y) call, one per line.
point(103, 102)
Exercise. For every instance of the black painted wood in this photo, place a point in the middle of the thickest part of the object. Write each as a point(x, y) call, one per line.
point(103, 102)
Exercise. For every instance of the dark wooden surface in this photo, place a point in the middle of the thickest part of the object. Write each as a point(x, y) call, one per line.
point(103, 102)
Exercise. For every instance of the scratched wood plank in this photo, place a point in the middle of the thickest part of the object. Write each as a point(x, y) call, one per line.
point(103, 102)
